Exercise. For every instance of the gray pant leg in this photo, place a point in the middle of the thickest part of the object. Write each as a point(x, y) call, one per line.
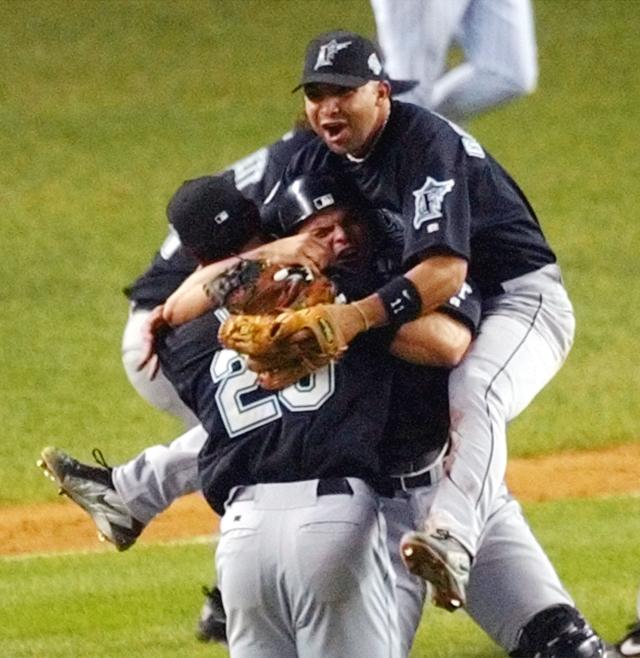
point(400, 516)
point(498, 39)
point(525, 336)
point(511, 577)
point(415, 36)
point(159, 391)
point(150, 482)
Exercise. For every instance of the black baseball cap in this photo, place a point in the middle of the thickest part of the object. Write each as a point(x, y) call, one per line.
point(347, 59)
point(212, 218)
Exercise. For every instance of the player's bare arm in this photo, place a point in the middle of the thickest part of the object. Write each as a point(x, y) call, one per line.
point(190, 300)
point(435, 339)
point(430, 283)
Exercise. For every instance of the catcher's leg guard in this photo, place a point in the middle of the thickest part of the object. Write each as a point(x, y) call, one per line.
point(558, 632)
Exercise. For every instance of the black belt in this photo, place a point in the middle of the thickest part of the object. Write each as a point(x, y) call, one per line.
point(412, 481)
point(326, 487)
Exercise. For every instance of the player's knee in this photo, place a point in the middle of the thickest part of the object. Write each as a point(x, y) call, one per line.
point(509, 85)
point(558, 632)
point(524, 83)
point(468, 384)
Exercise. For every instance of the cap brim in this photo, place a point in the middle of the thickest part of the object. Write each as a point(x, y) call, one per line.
point(397, 86)
point(401, 86)
point(339, 79)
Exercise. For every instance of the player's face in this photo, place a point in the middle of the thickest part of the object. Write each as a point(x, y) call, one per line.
point(343, 234)
point(347, 119)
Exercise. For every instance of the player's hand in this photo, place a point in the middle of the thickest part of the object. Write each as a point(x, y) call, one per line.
point(350, 319)
point(149, 357)
point(284, 349)
point(303, 249)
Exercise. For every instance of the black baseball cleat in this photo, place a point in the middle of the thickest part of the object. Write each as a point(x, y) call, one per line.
point(212, 625)
point(629, 645)
point(442, 561)
point(91, 487)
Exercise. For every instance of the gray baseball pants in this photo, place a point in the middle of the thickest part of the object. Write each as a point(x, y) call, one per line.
point(305, 574)
point(524, 338)
point(511, 577)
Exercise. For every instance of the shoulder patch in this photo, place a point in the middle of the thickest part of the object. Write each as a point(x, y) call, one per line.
point(428, 202)
point(469, 143)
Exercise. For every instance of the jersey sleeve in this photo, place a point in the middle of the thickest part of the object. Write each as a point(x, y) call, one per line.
point(465, 306)
point(436, 202)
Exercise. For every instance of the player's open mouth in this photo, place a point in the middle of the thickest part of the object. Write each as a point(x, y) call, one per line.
point(347, 257)
point(334, 131)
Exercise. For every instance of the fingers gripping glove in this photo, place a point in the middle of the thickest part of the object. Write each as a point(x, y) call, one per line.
point(290, 345)
point(258, 286)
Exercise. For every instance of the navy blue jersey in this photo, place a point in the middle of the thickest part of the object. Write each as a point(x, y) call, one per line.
point(444, 190)
point(327, 425)
point(255, 176)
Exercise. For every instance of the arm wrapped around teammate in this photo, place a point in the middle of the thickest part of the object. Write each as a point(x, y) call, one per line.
point(257, 287)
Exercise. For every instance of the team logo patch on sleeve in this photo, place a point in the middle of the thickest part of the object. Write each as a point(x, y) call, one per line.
point(428, 202)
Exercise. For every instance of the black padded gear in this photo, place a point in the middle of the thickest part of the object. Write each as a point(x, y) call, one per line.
point(558, 632)
point(213, 619)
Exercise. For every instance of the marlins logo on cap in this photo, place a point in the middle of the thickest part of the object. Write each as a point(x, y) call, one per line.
point(328, 51)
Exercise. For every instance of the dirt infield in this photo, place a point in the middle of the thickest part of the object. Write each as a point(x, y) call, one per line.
point(62, 526)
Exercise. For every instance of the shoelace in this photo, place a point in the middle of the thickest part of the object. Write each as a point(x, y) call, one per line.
point(98, 457)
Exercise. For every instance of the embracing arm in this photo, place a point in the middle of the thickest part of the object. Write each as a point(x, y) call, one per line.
point(435, 280)
point(190, 300)
point(435, 339)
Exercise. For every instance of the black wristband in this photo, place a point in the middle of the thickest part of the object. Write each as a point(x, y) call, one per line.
point(401, 301)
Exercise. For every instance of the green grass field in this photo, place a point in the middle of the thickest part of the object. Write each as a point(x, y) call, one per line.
point(106, 107)
point(147, 600)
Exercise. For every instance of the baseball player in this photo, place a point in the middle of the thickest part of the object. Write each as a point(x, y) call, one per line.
point(148, 484)
point(497, 38)
point(514, 581)
point(461, 215)
point(255, 175)
point(312, 449)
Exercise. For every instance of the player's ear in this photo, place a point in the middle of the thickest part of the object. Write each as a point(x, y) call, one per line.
point(384, 90)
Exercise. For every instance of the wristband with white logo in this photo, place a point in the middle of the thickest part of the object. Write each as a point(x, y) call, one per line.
point(401, 301)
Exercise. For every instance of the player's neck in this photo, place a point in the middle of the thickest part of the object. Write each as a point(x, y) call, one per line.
point(370, 144)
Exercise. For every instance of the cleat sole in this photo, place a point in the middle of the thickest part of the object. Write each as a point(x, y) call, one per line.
point(421, 560)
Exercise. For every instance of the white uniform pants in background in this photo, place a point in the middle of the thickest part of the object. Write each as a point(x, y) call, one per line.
point(511, 577)
point(158, 391)
point(497, 37)
point(524, 338)
point(305, 574)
